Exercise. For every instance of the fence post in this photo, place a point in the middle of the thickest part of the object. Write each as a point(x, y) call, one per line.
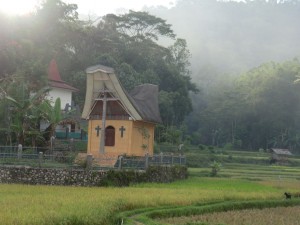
point(81, 134)
point(180, 159)
point(146, 161)
point(172, 159)
point(89, 162)
point(161, 158)
point(40, 159)
point(120, 162)
point(20, 150)
point(72, 148)
point(52, 144)
point(67, 132)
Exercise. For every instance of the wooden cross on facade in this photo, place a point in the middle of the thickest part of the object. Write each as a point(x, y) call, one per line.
point(98, 129)
point(122, 129)
point(104, 98)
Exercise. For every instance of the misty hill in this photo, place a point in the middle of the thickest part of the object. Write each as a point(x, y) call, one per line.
point(230, 37)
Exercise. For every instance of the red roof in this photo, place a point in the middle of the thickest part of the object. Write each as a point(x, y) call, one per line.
point(55, 79)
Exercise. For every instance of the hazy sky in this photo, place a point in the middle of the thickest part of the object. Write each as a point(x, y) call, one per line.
point(85, 7)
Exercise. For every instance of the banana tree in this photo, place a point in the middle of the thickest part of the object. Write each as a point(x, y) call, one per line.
point(26, 114)
point(54, 117)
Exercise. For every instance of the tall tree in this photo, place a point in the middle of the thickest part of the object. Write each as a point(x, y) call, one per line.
point(138, 58)
point(141, 25)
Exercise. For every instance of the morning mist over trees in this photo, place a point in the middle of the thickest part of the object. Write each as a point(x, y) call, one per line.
point(244, 59)
point(227, 71)
point(235, 36)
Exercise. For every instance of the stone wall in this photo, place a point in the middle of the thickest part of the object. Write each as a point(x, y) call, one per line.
point(154, 174)
point(42, 176)
point(165, 174)
point(72, 177)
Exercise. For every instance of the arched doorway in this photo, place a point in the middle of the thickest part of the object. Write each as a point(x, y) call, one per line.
point(109, 136)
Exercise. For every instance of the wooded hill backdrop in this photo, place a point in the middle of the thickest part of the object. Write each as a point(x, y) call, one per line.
point(257, 109)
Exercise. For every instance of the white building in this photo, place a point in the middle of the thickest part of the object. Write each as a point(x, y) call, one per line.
point(59, 89)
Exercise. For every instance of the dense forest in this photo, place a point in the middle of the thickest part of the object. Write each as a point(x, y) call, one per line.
point(227, 71)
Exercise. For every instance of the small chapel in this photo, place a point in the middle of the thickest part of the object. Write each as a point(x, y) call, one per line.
point(119, 122)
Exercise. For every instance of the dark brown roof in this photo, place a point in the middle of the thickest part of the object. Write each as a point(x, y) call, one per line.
point(55, 79)
point(145, 99)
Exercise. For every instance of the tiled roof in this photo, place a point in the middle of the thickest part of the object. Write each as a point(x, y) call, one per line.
point(62, 85)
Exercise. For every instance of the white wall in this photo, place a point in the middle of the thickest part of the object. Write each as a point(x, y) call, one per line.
point(64, 95)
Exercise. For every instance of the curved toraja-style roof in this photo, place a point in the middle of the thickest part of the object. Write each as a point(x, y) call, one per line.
point(140, 104)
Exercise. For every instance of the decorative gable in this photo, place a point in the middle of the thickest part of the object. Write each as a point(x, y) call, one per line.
point(140, 105)
point(114, 110)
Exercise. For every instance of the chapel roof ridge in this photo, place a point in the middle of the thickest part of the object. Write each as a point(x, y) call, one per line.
point(99, 67)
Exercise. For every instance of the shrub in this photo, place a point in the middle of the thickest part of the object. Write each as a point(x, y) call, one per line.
point(228, 146)
point(119, 178)
point(80, 146)
point(201, 147)
point(215, 168)
point(159, 174)
point(81, 160)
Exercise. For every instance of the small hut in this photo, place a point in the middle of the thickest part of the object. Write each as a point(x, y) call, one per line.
point(279, 155)
point(119, 122)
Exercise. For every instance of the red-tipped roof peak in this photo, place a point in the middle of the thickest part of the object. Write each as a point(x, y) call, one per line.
point(55, 79)
point(53, 73)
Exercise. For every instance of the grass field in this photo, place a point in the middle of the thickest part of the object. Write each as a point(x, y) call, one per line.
point(235, 183)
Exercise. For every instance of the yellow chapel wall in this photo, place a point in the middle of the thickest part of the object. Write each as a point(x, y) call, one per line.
point(122, 144)
point(142, 135)
point(133, 141)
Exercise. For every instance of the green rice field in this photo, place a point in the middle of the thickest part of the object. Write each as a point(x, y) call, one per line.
point(237, 186)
